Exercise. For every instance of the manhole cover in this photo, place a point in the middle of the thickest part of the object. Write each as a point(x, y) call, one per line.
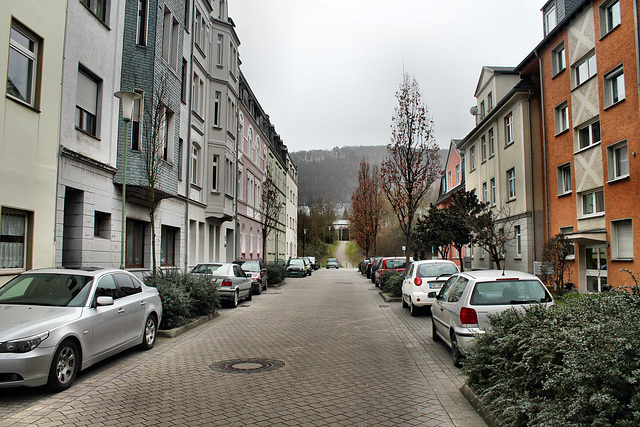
point(248, 366)
point(384, 306)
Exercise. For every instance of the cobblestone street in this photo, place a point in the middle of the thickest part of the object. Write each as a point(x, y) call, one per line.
point(329, 351)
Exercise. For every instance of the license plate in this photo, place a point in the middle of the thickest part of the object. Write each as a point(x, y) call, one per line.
point(436, 285)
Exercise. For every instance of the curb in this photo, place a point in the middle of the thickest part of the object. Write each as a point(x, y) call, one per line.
point(470, 394)
point(389, 298)
point(172, 333)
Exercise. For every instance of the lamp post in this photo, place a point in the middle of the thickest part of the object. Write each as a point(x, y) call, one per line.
point(126, 99)
point(304, 240)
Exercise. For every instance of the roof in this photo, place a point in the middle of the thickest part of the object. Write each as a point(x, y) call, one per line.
point(497, 274)
point(493, 70)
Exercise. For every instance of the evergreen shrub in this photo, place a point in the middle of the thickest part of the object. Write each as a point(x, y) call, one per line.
point(391, 282)
point(575, 364)
point(276, 273)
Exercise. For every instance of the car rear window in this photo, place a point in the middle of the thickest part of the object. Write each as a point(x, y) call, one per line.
point(509, 292)
point(207, 269)
point(436, 269)
point(395, 263)
point(249, 266)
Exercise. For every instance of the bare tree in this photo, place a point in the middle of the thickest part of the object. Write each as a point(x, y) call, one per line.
point(366, 208)
point(556, 266)
point(412, 164)
point(270, 208)
point(493, 230)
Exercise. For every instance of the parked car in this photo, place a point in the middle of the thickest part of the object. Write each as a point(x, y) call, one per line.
point(332, 263)
point(423, 282)
point(314, 262)
point(465, 302)
point(56, 322)
point(370, 266)
point(388, 264)
point(376, 263)
point(233, 283)
point(257, 272)
point(308, 265)
point(296, 267)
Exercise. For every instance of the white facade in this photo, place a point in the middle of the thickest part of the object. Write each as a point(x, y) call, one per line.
point(291, 208)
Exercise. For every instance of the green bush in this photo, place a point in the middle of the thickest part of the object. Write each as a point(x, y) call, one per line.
point(275, 273)
point(184, 296)
point(391, 283)
point(575, 364)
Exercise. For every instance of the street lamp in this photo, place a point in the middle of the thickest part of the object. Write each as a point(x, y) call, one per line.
point(126, 99)
point(304, 240)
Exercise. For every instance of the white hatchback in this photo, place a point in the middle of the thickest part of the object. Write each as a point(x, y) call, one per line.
point(423, 282)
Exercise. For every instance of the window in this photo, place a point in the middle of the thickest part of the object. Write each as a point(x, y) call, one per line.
point(483, 148)
point(196, 24)
point(618, 160)
point(22, 70)
point(183, 87)
point(562, 117)
point(492, 183)
point(229, 177)
point(134, 257)
point(136, 128)
point(564, 179)
point(168, 239)
point(511, 184)
point(482, 110)
point(614, 87)
point(102, 225)
point(589, 134)
point(197, 88)
point(216, 109)
point(572, 248)
point(490, 101)
point(219, 50)
point(586, 69)
point(457, 174)
point(98, 7)
point(166, 134)
point(214, 172)
point(240, 185)
point(593, 202)
point(88, 90)
point(622, 239)
point(180, 157)
point(170, 34)
point(492, 144)
point(558, 60)
point(609, 16)
point(508, 129)
point(13, 239)
point(472, 158)
point(485, 193)
point(550, 20)
point(518, 233)
point(141, 32)
point(449, 180)
point(195, 161)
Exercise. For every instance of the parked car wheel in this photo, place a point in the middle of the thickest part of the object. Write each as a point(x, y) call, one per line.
point(250, 296)
point(415, 311)
point(404, 303)
point(150, 330)
point(434, 333)
point(259, 289)
point(456, 356)
point(265, 285)
point(64, 367)
point(234, 302)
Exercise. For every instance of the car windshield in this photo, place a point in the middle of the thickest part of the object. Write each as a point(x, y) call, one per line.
point(436, 269)
point(56, 290)
point(395, 263)
point(509, 292)
point(332, 260)
point(296, 262)
point(249, 266)
point(207, 268)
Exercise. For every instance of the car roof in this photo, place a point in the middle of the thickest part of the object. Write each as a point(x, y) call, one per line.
point(80, 271)
point(499, 274)
point(433, 261)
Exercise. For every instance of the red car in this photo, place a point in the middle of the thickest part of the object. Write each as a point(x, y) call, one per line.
point(389, 264)
point(257, 271)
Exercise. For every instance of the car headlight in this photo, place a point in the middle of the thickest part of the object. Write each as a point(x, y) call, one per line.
point(23, 345)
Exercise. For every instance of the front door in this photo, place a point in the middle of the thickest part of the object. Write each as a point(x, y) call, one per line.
point(596, 267)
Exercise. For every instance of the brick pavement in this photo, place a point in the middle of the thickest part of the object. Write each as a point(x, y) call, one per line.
point(349, 359)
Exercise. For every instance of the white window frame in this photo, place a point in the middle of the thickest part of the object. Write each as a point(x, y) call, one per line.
point(565, 231)
point(216, 109)
point(508, 129)
point(585, 69)
point(83, 111)
point(562, 117)
point(622, 239)
point(492, 143)
point(588, 131)
point(220, 50)
point(20, 35)
point(485, 192)
point(215, 173)
point(614, 88)
point(483, 148)
point(564, 179)
point(558, 59)
point(610, 16)
point(618, 160)
point(142, 17)
point(518, 238)
point(550, 20)
point(590, 198)
point(472, 158)
point(195, 164)
point(492, 182)
point(511, 184)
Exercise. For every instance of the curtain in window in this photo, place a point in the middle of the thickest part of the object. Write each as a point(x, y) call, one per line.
point(12, 233)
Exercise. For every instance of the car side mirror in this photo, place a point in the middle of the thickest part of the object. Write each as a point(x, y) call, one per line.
point(104, 301)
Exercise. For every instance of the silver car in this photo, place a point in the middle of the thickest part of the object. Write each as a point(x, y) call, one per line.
point(462, 308)
point(423, 282)
point(233, 283)
point(56, 322)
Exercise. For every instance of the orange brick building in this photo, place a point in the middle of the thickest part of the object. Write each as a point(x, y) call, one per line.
point(587, 68)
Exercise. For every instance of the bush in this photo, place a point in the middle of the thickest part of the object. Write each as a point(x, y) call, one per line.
point(391, 283)
point(575, 364)
point(275, 273)
point(184, 296)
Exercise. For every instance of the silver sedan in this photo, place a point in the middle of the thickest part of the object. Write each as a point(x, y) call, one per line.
point(56, 322)
point(233, 283)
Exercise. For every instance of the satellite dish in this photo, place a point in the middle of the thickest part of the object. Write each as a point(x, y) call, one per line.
point(474, 110)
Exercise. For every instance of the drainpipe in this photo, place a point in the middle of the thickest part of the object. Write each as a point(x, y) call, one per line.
point(635, 20)
point(533, 194)
point(544, 151)
point(188, 146)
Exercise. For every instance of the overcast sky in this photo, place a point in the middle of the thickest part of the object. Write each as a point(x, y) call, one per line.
point(326, 71)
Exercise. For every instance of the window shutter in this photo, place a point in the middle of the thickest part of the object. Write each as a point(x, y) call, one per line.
point(87, 95)
point(624, 237)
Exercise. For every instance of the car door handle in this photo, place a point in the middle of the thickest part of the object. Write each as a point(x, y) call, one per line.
point(143, 303)
point(120, 310)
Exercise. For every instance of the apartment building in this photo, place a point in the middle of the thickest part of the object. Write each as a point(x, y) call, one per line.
point(29, 132)
point(587, 67)
point(503, 163)
point(291, 209)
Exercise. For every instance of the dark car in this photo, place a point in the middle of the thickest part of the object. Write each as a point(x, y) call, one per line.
point(257, 271)
point(296, 267)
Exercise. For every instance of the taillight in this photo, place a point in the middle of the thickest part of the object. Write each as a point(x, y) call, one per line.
point(468, 316)
point(417, 281)
point(226, 283)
